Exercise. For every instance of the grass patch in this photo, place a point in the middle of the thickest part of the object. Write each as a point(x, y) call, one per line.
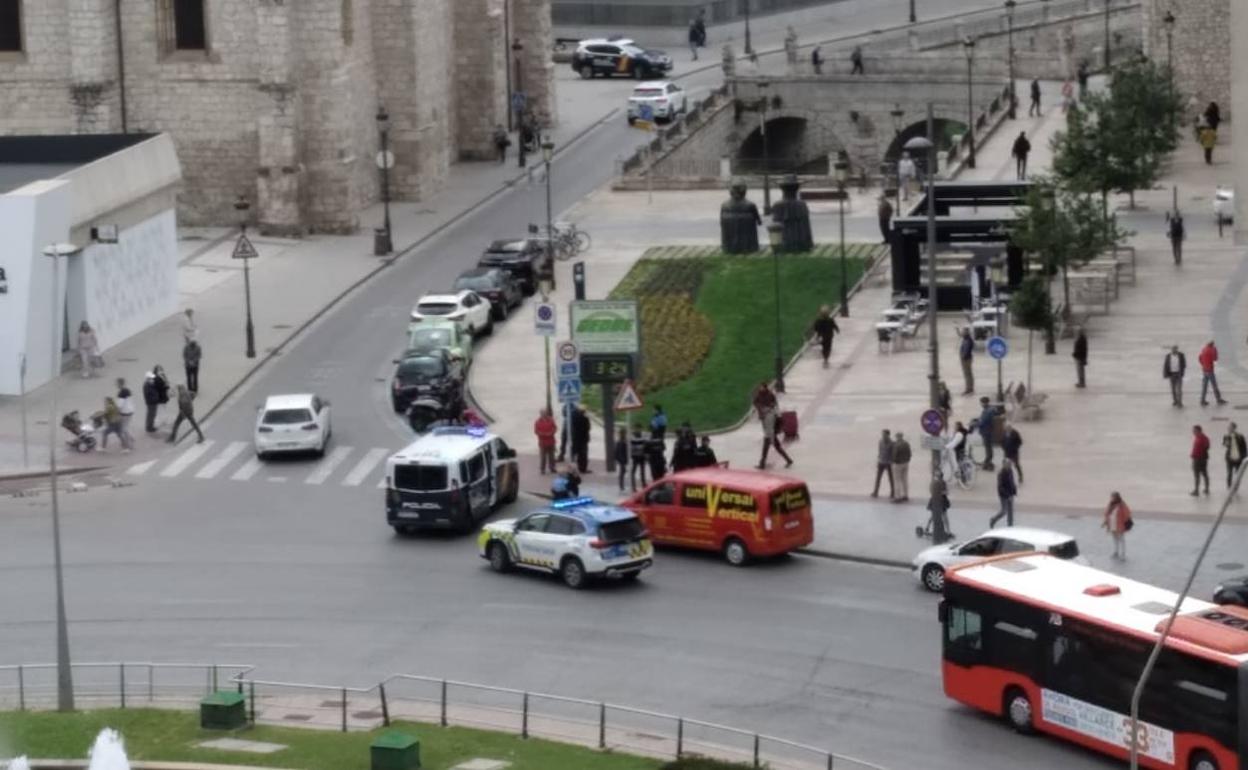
point(152, 734)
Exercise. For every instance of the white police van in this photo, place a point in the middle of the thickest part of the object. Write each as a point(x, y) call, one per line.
point(576, 539)
point(450, 478)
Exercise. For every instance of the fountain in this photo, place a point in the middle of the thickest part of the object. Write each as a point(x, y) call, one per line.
point(108, 753)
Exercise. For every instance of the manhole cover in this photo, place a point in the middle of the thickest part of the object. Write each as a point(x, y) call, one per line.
point(1230, 565)
point(297, 717)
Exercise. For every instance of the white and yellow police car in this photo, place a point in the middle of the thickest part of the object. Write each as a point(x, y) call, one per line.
point(576, 539)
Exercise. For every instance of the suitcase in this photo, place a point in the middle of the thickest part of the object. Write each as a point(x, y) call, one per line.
point(788, 425)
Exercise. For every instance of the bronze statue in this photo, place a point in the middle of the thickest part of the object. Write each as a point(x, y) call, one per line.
point(793, 216)
point(738, 222)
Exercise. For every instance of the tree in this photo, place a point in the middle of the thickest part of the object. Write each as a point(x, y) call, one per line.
point(1032, 309)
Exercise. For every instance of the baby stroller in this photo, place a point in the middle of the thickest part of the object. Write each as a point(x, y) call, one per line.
point(84, 432)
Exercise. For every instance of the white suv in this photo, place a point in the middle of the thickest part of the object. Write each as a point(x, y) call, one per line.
point(575, 539)
point(467, 308)
point(293, 423)
point(659, 99)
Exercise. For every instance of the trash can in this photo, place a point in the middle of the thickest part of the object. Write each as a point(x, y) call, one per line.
point(381, 242)
point(394, 750)
point(223, 710)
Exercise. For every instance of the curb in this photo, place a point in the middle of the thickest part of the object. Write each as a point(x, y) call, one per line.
point(74, 471)
point(836, 556)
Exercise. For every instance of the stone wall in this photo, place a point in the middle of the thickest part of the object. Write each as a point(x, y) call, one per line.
point(1201, 45)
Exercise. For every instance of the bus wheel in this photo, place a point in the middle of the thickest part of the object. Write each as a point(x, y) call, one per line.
point(1018, 710)
point(500, 561)
point(1202, 760)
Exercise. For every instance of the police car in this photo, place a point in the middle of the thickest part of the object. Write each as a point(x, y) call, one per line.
point(576, 539)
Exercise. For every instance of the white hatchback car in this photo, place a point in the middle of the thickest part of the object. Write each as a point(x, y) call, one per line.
point(292, 423)
point(467, 308)
point(664, 101)
point(930, 565)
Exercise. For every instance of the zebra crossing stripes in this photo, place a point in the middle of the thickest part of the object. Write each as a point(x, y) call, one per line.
point(218, 463)
point(327, 465)
point(233, 460)
point(141, 468)
point(248, 470)
point(193, 453)
point(364, 466)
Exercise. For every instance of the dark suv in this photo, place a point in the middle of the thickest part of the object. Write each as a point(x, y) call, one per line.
point(619, 56)
point(495, 284)
point(432, 372)
point(522, 257)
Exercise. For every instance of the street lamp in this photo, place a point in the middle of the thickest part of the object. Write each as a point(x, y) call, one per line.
point(519, 102)
point(998, 279)
point(763, 85)
point(1009, 21)
point(912, 16)
point(1107, 4)
point(898, 115)
point(64, 673)
point(1169, 20)
point(548, 154)
point(842, 176)
point(385, 160)
point(749, 49)
point(968, 44)
point(242, 206)
point(775, 236)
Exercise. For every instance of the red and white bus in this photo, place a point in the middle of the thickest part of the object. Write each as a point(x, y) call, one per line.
point(1057, 647)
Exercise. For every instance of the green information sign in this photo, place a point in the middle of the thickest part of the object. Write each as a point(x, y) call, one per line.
point(606, 326)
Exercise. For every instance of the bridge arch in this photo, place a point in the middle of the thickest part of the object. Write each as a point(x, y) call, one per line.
point(797, 142)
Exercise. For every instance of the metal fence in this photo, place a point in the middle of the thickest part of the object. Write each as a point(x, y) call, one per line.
point(405, 697)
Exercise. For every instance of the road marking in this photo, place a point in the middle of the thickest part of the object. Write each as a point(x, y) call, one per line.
point(266, 645)
point(141, 468)
point(277, 479)
point(328, 465)
point(189, 456)
point(248, 470)
point(364, 466)
point(234, 449)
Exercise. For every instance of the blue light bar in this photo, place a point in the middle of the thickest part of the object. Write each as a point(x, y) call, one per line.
point(572, 503)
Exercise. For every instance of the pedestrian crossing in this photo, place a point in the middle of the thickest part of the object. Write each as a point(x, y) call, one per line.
point(236, 462)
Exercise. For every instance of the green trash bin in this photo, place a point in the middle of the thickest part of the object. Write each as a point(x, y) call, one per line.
point(223, 710)
point(394, 750)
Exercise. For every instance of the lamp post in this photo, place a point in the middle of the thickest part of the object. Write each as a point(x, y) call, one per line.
point(64, 672)
point(775, 236)
point(898, 115)
point(998, 278)
point(1107, 4)
point(548, 154)
point(1169, 20)
point(507, 61)
point(518, 101)
point(968, 44)
point(913, 19)
point(842, 176)
point(242, 206)
point(763, 85)
point(749, 49)
point(385, 160)
point(1009, 27)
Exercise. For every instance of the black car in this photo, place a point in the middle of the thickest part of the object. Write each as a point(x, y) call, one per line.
point(522, 257)
point(1232, 591)
point(431, 372)
point(494, 283)
point(619, 56)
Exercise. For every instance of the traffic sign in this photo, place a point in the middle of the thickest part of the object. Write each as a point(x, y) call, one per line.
point(544, 319)
point(932, 422)
point(385, 159)
point(627, 400)
point(569, 390)
point(931, 443)
point(243, 249)
point(569, 369)
point(568, 351)
point(998, 347)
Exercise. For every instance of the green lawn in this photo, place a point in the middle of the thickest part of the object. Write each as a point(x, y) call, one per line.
point(738, 295)
point(151, 734)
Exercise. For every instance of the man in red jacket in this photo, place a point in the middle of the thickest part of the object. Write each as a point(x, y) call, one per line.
point(1208, 357)
point(1200, 459)
point(544, 428)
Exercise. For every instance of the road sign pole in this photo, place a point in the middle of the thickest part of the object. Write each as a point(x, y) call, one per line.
point(548, 399)
point(608, 423)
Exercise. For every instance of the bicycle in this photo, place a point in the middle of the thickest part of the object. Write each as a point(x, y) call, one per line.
point(568, 240)
point(962, 471)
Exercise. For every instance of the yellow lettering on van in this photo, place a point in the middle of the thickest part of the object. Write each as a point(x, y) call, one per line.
point(712, 500)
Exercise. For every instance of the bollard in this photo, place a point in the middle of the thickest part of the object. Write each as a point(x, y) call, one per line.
point(524, 717)
point(344, 709)
point(151, 682)
point(602, 725)
point(829, 762)
point(756, 750)
point(21, 688)
point(680, 736)
point(252, 688)
point(121, 670)
point(443, 703)
point(385, 707)
point(214, 677)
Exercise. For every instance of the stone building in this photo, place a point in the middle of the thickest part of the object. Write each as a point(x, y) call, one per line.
point(1200, 50)
point(276, 99)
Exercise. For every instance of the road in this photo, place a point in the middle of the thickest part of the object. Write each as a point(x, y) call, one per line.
point(210, 557)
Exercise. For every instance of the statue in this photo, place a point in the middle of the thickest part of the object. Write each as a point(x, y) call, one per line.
point(728, 61)
point(793, 216)
point(738, 222)
point(790, 48)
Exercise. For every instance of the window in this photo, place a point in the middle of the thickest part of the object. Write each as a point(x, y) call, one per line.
point(189, 30)
point(10, 25)
point(1015, 546)
point(985, 546)
point(1066, 550)
point(563, 525)
point(534, 523)
point(621, 531)
point(964, 629)
point(420, 478)
point(287, 416)
point(476, 468)
point(663, 494)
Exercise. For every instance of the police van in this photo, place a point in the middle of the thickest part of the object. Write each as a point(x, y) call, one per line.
point(450, 478)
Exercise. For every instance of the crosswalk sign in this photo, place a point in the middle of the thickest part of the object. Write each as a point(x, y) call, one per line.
point(243, 249)
point(569, 390)
point(627, 399)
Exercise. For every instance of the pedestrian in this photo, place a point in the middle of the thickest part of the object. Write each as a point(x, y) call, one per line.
point(700, 24)
point(825, 329)
point(1236, 451)
point(855, 57)
point(704, 456)
point(885, 214)
point(1176, 233)
point(151, 400)
point(957, 442)
point(1080, 354)
point(112, 423)
point(1082, 76)
point(816, 60)
point(944, 399)
point(580, 438)
point(125, 405)
point(1006, 491)
point(901, 468)
point(983, 423)
point(693, 38)
point(637, 453)
point(161, 389)
point(1208, 359)
point(189, 330)
point(1022, 147)
point(1011, 446)
point(545, 429)
point(684, 447)
point(655, 457)
point(620, 454)
point(884, 465)
point(767, 408)
point(88, 350)
point(1034, 109)
point(906, 172)
point(564, 432)
point(966, 353)
point(566, 484)
point(658, 423)
point(186, 411)
point(501, 142)
point(1068, 96)
point(1200, 459)
point(1208, 140)
point(1173, 369)
point(1213, 116)
point(191, 354)
point(1117, 521)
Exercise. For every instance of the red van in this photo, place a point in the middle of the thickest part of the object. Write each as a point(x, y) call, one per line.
point(740, 513)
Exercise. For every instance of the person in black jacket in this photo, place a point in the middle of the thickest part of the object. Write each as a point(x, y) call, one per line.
point(637, 453)
point(1176, 233)
point(1006, 491)
point(704, 456)
point(1173, 369)
point(1080, 355)
point(580, 438)
point(1020, 151)
point(1236, 451)
point(1011, 447)
point(655, 454)
point(621, 455)
point(682, 451)
point(825, 329)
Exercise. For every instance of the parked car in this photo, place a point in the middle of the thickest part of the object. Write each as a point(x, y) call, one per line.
point(930, 565)
point(297, 422)
point(662, 99)
point(522, 257)
point(1232, 591)
point(434, 372)
point(465, 307)
point(431, 334)
point(495, 284)
point(619, 56)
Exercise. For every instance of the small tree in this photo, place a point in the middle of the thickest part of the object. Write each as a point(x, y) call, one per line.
point(1032, 309)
